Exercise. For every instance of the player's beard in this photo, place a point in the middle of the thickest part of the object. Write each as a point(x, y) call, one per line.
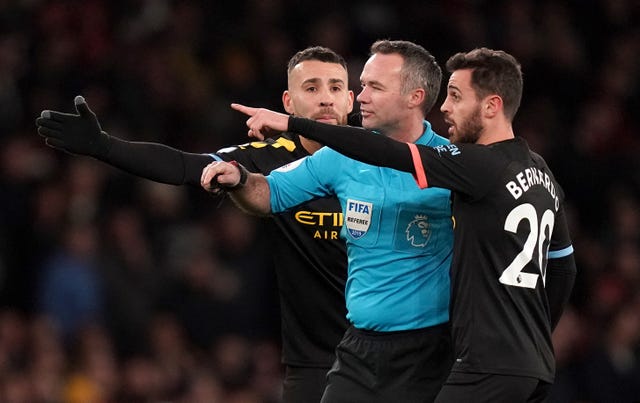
point(329, 112)
point(470, 129)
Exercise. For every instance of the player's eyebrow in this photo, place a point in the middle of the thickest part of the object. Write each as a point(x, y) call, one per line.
point(313, 80)
point(316, 80)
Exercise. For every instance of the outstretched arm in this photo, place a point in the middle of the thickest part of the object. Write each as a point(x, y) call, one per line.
point(354, 142)
point(81, 134)
point(357, 143)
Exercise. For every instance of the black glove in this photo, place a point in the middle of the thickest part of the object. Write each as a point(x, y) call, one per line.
point(77, 134)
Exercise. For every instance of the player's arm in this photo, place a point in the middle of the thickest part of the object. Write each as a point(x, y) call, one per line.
point(249, 191)
point(81, 134)
point(357, 143)
point(561, 269)
point(561, 273)
point(354, 142)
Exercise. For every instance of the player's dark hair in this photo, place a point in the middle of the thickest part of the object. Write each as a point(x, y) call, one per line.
point(419, 70)
point(493, 72)
point(319, 53)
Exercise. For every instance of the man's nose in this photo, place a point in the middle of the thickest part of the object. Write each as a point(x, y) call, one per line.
point(326, 97)
point(444, 107)
point(362, 95)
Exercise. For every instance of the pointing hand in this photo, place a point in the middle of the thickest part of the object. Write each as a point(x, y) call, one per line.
point(263, 122)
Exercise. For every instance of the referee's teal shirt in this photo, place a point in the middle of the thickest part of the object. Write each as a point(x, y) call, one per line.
point(399, 238)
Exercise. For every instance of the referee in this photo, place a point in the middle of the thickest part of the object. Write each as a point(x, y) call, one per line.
point(399, 237)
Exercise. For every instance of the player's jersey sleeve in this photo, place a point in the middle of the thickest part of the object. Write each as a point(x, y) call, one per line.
point(165, 164)
point(240, 153)
point(560, 270)
point(560, 240)
point(156, 162)
point(264, 156)
point(462, 168)
point(459, 167)
point(305, 179)
point(560, 245)
point(347, 140)
point(448, 166)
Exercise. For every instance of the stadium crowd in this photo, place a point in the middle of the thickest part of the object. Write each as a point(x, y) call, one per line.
point(114, 288)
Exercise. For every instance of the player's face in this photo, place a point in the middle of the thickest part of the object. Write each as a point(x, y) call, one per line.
point(382, 103)
point(462, 109)
point(319, 91)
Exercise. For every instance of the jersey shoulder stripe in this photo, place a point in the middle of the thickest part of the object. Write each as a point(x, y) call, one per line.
point(420, 176)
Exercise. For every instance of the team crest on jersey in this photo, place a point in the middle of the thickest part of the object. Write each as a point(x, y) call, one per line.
point(418, 231)
point(358, 217)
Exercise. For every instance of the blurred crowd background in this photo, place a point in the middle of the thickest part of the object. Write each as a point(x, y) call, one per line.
point(117, 289)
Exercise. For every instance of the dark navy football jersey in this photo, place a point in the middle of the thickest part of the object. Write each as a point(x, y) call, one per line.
point(509, 218)
point(310, 259)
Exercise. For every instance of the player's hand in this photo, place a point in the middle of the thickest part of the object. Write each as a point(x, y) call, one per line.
point(75, 133)
point(263, 122)
point(219, 175)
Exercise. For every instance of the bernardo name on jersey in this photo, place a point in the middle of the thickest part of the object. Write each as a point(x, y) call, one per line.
point(528, 178)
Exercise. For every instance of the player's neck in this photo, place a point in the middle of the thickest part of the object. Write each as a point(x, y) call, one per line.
point(408, 131)
point(495, 134)
point(310, 145)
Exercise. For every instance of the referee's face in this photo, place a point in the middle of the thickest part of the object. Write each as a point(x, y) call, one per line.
point(320, 91)
point(382, 103)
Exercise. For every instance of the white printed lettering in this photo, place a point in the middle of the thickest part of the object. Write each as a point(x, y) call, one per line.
point(523, 183)
point(515, 191)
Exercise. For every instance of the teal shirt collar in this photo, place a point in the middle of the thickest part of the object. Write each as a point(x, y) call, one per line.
point(427, 135)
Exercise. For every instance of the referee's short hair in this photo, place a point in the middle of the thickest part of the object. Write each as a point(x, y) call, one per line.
point(419, 70)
